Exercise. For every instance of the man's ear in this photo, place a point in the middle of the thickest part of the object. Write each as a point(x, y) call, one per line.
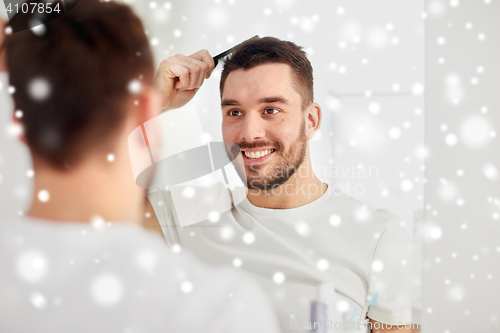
point(313, 119)
point(147, 105)
point(3, 60)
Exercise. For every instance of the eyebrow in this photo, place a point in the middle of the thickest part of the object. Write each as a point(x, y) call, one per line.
point(271, 99)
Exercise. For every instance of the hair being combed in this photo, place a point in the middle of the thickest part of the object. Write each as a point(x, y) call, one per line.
point(269, 50)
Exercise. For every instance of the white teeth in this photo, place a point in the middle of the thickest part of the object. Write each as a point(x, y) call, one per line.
point(258, 154)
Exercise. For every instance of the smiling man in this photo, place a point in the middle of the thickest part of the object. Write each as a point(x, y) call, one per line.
point(292, 232)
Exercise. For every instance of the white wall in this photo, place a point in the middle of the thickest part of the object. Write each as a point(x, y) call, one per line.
point(461, 257)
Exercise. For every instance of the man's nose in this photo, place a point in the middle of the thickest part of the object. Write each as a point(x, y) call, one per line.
point(253, 128)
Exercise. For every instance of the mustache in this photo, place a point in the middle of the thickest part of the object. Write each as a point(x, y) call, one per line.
point(257, 144)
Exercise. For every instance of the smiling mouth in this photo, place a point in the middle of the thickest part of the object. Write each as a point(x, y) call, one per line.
point(254, 155)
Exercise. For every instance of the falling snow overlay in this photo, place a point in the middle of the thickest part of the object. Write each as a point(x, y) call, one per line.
point(460, 231)
point(419, 141)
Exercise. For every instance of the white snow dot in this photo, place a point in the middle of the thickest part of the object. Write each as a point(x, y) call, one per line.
point(39, 89)
point(481, 36)
point(177, 33)
point(490, 171)
point(18, 113)
point(389, 26)
point(474, 131)
point(335, 220)
point(248, 238)
point(395, 87)
point(394, 133)
point(110, 157)
point(14, 129)
point(302, 228)
point(213, 216)
point(38, 300)
point(30, 173)
point(279, 277)
point(227, 232)
point(147, 260)
point(155, 41)
point(480, 69)
point(377, 265)
point(176, 248)
point(167, 5)
point(417, 89)
point(32, 266)
point(322, 264)
point(188, 192)
point(341, 11)
point(460, 173)
point(342, 306)
point(186, 287)
point(374, 108)
point(267, 11)
point(217, 16)
point(106, 289)
point(11, 90)
point(406, 185)
point(135, 86)
point(97, 222)
point(451, 139)
point(38, 28)
point(435, 8)
point(237, 262)
point(454, 3)
point(433, 232)
point(43, 196)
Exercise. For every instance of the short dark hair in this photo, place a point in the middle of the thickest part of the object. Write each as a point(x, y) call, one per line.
point(266, 50)
point(86, 58)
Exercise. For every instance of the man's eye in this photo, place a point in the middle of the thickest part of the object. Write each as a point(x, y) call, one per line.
point(235, 113)
point(271, 111)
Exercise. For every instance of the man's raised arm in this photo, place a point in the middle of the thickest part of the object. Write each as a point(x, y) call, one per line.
point(179, 78)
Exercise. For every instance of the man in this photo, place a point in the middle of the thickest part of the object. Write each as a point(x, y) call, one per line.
point(80, 261)
point(292, 232)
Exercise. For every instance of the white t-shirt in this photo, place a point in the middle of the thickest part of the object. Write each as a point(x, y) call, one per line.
point(364, 251)
point(117, 277)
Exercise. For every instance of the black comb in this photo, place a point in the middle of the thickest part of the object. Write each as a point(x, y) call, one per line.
point(227, 52)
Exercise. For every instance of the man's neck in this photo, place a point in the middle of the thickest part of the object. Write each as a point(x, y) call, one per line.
point(93, 190)
point(301, 188)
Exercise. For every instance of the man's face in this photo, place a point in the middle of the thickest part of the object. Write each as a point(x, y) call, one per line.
point(262, 114)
